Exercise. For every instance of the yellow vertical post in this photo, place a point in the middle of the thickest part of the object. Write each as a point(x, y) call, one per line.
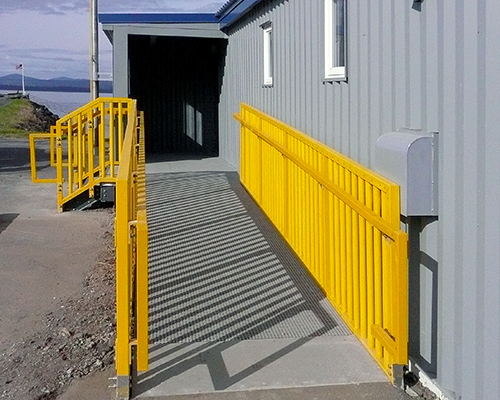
point(349, 249)
point(326, 221)
point(81, 151)
point(53, 146)
point(122, 351)
point(401, 279)
point(59, 167)
point(69, 173)
point(120, 129)
point(337, 251)
point(142, 292)
point(362, 265)
point(355, 256)
point(112, 144)
point(90, 152)
point(102, 141)
point(32, 158)
point(142, 262)
point(343, 255)
point(370, 276)
point(377, 255)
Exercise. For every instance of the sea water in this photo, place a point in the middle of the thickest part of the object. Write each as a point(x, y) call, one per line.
point(60, 103)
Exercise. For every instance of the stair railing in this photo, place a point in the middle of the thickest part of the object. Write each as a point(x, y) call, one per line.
point(84, 148)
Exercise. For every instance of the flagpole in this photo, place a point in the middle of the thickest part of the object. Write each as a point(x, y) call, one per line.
point(22, 77)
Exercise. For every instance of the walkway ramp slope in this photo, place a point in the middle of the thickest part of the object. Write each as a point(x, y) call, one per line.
point(233, 313)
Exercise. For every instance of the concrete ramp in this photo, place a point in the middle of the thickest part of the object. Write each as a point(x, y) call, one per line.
point(232, 310)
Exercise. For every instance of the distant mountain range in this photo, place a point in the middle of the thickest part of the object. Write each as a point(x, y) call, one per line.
point(62, 84)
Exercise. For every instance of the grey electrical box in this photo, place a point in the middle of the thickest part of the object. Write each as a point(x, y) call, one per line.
point(107, 193)
point(410, 159)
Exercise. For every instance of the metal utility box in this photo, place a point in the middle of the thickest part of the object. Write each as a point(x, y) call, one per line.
point(410, 159)
point(106, 193)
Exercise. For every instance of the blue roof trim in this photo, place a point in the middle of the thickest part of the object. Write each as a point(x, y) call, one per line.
point(234, 10)
point(157, 18)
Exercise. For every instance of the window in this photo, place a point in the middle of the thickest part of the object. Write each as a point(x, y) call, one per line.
point(268, 53)
point(335, 39)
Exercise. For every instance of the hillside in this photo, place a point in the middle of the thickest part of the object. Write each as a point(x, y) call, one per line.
point(62, 84)
point(20, 117)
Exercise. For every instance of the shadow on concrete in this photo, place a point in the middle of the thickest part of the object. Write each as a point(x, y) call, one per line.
point(17, 158)
point(220, 274)
point(6, 220)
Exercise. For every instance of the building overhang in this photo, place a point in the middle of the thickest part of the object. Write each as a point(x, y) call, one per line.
point(179, 25)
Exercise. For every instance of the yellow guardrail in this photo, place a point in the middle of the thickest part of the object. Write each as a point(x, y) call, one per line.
point(131, 256)
point(342, 220)
point(85, 147)
point(103, 142)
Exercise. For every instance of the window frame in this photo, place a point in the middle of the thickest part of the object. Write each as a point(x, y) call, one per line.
point(333, 71)
point(267, 28)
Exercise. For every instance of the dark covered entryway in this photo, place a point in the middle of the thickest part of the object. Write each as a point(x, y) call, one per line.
point(177, 82)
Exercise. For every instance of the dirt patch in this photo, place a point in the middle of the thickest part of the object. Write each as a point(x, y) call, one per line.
point(76, 340)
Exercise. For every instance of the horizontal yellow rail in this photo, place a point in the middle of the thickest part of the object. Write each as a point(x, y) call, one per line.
point(131, 255)
point(342, 220)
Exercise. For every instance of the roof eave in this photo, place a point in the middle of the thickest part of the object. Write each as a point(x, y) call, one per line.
point(234, 10)
point(171, 18)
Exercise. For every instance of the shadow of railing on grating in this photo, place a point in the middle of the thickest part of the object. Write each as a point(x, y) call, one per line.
point(219, 271)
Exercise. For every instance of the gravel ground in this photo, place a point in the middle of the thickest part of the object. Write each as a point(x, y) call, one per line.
point(76, 340)
point(57, 296)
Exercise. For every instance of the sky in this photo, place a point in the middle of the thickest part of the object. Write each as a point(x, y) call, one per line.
point(51, 37)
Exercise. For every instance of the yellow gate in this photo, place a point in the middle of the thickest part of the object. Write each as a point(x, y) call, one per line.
point(342, 220)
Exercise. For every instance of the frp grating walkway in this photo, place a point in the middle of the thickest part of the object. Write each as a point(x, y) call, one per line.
point(232, 309)
point(218, 271)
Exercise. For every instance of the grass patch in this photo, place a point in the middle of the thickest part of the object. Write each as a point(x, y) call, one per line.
point(12, 114)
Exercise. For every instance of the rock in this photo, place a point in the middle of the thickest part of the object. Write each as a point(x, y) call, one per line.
point(39, 120)
point(65, 333)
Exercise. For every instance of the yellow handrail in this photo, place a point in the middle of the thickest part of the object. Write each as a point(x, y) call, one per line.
point(131, 255)
point(342, 220)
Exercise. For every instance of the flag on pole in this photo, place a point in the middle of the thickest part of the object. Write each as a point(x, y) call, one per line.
point(20, 66)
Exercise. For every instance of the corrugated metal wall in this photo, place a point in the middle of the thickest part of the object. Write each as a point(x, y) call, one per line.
point(176, 81)
point(433, 66)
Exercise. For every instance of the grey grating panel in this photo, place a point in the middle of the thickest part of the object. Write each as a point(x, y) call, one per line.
point(220, 271)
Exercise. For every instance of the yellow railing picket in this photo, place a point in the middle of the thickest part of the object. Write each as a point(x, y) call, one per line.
point(342, 220)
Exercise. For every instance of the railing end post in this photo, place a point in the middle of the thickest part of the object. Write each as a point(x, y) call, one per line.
point(123, 387)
